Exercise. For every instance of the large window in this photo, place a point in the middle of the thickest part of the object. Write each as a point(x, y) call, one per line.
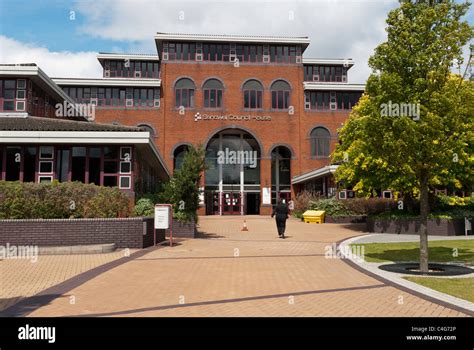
point(253, 94)
point(325, 73)
point(178, 156)
point(320, 142)
point(184, 93)
point(13, 95)
point(331, 100)
point(131, 69)
point(280, 94)
point(284, 54)
point(226, 52)
point(119, 97)
point(212, 91)
point(281, 172)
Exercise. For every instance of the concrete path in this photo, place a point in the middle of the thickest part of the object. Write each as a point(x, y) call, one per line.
point(227, 272)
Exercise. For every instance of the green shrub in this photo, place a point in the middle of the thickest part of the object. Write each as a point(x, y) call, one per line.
point(303, 200)
point(60, 200)
point(144, 207)
point(182, 190)
point(331, 206)
point(444, 202)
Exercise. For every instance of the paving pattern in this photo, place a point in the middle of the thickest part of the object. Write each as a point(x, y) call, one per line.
point(20, 278)
point(227, 272)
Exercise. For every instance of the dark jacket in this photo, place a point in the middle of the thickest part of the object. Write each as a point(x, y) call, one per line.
point(281, 212)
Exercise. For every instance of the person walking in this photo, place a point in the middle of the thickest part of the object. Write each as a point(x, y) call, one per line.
point(281, 214)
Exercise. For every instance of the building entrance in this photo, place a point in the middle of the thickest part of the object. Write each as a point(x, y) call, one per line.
point(232, 175)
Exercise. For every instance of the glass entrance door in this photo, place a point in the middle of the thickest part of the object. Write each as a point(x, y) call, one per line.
point(231, 203)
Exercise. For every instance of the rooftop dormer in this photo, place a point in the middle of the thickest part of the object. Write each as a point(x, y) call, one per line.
point(326, 70)
point(136, 66)
point(230, 48)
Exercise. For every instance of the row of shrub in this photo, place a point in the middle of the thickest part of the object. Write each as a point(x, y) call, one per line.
point(25, 200)
point(442, 206)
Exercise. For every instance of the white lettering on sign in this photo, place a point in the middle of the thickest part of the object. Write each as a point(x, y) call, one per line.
point(162, 215)
point(198, 116)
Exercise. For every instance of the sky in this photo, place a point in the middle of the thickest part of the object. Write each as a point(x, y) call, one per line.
point(63, 37)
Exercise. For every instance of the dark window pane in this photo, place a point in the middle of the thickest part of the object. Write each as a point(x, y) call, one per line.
point(13, 162)
point(111, 152)
point(30, 164)
point(62, 165)
point(78, 166)
point(94, 165)
point(110, 167)
point(110, 181)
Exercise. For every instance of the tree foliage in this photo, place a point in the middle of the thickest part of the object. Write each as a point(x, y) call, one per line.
point(409, 153)
point(182, 190)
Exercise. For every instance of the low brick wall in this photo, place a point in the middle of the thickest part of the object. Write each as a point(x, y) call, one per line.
point(345, 219)
point(124, 232)
point(436, 227)
point(184, 229)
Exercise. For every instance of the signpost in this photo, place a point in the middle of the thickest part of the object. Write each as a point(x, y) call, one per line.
point(164, 220)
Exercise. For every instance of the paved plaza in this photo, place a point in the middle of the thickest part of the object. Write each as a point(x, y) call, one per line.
point(226, 272)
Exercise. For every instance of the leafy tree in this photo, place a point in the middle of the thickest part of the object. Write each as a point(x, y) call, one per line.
point(182, 190)
point(414, 153)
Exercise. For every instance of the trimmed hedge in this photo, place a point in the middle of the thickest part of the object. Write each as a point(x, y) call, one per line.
point(353, 207)
point(57, 200)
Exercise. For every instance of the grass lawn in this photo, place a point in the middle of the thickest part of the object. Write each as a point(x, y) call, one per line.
point(459, 287)
point(439, 251)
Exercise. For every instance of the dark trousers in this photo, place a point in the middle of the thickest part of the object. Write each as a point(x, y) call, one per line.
point(281, 225)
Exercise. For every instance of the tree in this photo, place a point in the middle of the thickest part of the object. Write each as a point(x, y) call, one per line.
point(433, 145)
point(182, 190)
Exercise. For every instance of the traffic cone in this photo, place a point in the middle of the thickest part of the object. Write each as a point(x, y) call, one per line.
point(244, 228)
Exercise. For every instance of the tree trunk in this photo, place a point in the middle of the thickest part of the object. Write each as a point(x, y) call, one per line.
point(424, 211)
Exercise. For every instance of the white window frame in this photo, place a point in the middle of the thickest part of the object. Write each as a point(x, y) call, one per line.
point(45, 177)
point(18, 84)
point(123, 158)
point(129, 182)
point(52, 153)
point(21, 98)
point(46, 172)
point(17, 103)
point(125, 172)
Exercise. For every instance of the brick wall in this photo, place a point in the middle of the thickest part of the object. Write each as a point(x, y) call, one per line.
point(284, 129)
point(436, 227)
point(124, 232)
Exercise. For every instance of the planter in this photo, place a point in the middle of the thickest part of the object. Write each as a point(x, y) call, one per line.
point(181, 229)
point(351, 219)
point(136, 232)
point(436, 227)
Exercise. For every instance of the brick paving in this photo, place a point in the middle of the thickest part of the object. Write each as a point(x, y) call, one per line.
point(20, 278)
point(227, 272)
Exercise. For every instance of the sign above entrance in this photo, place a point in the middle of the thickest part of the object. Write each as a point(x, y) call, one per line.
point(260, 118)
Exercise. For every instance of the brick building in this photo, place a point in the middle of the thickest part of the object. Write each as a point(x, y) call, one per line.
point(267, 116)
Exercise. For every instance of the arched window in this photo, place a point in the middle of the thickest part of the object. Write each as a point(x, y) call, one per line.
point(280, 94)
point(212, 91)
point(184, 92)
point(253, 94)
point(178, 156)
point(320, 140)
